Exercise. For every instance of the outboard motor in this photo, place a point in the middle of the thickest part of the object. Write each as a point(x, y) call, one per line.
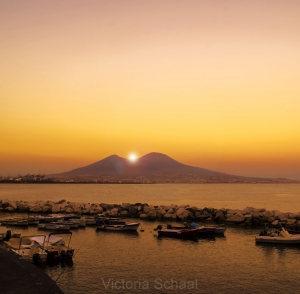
point(263, 233)
point(159, 227)
point(8, 235)
point(35, 258)
point(63, 255)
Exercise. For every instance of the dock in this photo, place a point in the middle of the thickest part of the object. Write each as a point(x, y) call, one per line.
point(19, 276)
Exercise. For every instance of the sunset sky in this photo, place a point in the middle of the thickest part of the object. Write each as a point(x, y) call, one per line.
point(214, 84)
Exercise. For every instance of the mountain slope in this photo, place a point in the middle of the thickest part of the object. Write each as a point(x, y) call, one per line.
point(152, 164)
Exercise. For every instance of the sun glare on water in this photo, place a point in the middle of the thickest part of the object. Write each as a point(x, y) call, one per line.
point(132, 157)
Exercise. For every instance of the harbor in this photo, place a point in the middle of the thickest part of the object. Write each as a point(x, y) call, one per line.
point(159, 255)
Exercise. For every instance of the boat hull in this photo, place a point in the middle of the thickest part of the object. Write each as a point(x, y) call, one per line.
point(278, 240)
point(181, 234)
point(129, 227)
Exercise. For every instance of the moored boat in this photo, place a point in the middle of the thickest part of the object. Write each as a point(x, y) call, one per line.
point(277, 237)
point(117, 227)
point(181, 233)
point(28, 248)
point(56, 247)
point(54, 226)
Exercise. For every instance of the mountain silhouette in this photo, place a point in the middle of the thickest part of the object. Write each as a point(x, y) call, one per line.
point(152, 164)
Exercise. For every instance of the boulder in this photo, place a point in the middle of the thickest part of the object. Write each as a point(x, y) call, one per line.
point(275, 223)
point(13, 204)
point(291, 221)
point(9, 208)
point(152, 214)
point(220, 217)
point(69, 210)
point(55, 208)
point(143, 216)
point(267, 214)
point(248, 218)
point(124, 213)
point(182, 213)
point(148, 208)
point(36, 208)
point(167, 216)
point(133, 210)
point(295, 215)
point(47, 209)
point(125, 205)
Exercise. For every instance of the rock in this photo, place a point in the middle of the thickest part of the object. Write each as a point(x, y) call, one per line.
point(295, 215)
point(271, 219)
point(152, 214)
point(124, 213)
point(182, 213)
point(55, 208)
point(69, 210)
point(290, 221)
point(61, 201)
point(268, 214)
point(36, 208)
point(167, 216)
point(148, 208)
point(13, 204)
point(275, 223)
point(9, 208)
point(236, 219)
point(47, 209)
point(248, 218)
point(248, 210)
point(220, 217)
point(133, 210)
point(143, 216)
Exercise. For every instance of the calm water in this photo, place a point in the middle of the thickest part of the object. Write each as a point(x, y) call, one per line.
point(146, 264)
point(284, 197)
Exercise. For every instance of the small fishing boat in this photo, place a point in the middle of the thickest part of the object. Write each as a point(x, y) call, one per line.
point(90, 220)
point(209, 229)
point(181, 233)
point(280, 236)
point(118, 227)
point(28, 248)
point(54, 226)
point(16, 222)
point(55, 246)
point(71, 224)
point(101, 220)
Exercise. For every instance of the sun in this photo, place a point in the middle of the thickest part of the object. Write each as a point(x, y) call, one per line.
point(132, 157)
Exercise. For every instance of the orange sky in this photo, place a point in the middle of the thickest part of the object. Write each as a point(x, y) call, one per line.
point(213, 84)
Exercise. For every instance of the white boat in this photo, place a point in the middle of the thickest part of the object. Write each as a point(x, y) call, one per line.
point(28, 248)
point(90, 220)
point(81, 223)
point(111, 227)
point(16, 222)
point(55, 246)
point(54, 226)
point(71, 224)
point(277, 237)
point(209, 229)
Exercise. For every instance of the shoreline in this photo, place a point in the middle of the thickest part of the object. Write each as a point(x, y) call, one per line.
point(144, 211)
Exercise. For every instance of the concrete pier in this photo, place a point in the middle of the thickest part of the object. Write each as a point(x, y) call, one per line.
point(19, 276)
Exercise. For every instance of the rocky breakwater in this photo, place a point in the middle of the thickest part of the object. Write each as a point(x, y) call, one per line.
point(247, 216)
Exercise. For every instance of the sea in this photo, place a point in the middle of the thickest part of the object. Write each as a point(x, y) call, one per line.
point(119, 262)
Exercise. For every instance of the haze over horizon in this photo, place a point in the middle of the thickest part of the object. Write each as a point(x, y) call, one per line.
point(212, 84)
